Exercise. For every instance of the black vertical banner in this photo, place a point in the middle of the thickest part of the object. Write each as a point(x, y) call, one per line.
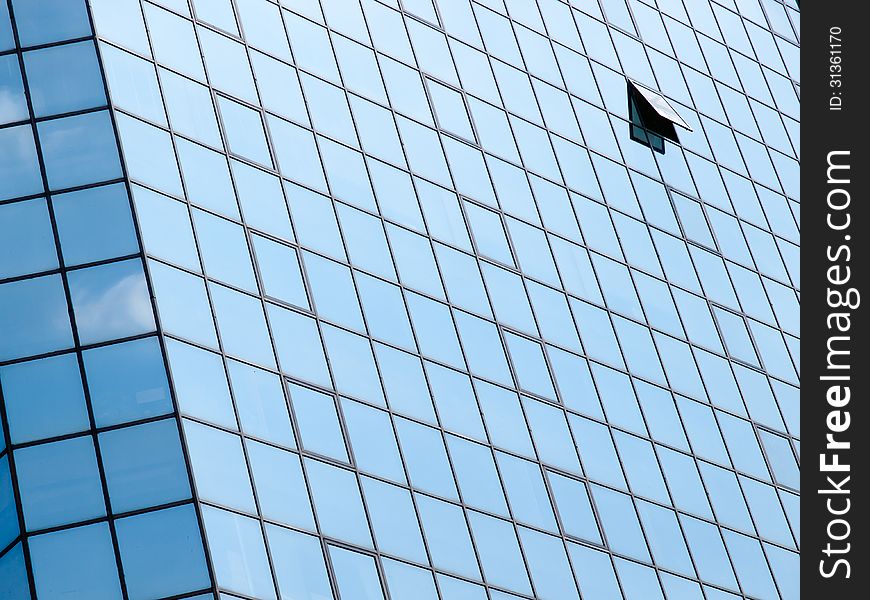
point(835, 168)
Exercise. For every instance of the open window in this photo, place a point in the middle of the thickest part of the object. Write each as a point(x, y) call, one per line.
point(652, 117)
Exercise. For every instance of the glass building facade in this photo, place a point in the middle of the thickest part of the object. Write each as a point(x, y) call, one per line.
point(399, 299)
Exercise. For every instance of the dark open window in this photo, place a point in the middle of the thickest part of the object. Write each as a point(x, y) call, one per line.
point(652, 118)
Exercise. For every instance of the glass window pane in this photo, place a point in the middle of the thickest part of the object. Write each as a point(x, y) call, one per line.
point(7, 41)
point(133, 83)
point(144, 465)
point(476, 474)
point(595, 573)
point(242, 326)
point(548, 564)
point(14, 106)
point(33, 317)
point(394, 520)
point(447, 536)
point(405, 581)
point(356, 575)
point(190, 108)
point(281, 488)
point(526, 491)
point(121, 21)
point(26, 239)
point(13, 573)
point(183, 304)
point(374, 443)
point(219, 468)
point(619, 521)
point(319, 428)
point(44, 21)
point(149, 156)
point(78, 561)
point(127, 382)
point(59, 483)
point(260, 403)
point(64, 79)
point(238, 553)
point(174, 42)
point(227, 64)
point(200, 384)
point(111, 301)
point(575, 510)
point(299, 564)
point(44, 398)
point(207, 178)
point(19, 167)
point(298, 344)
point(244, 131)
point(338, 503)
point(162, 553)
point(95, 224)
point(79, 149)
point(262, 200)
point(499, 553)
point(426, 458)
point(280, 271)
point(353, 365)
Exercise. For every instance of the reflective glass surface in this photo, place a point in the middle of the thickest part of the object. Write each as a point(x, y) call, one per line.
point(439, 322)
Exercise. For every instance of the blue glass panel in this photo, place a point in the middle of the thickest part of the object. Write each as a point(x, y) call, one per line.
point(319, 428)
point(44, 21)
point(44, 398)
point(207, 178)
point(373, 441)
point(299, 565)
point(200, 384)
point(356, 575)
point(405, 581)
point(94, 224)
point(183, 304)
point(7, 40)
point(526, 491)
point(260, 403)
point(19, 168)
point(548, 564)
point(14, 106)
point(298, 344)
point(127, 382)
point(219, 467)
point(167, 542)
point(575, 511)
point(111, 301)
point(26, 239)
point(79, 149)
point(595, 573)
point(77, 561)
point(148, 155)
point(447, 536)
point(262, 201)
point(8, 513)
point(242, 325)
point(33, 317)
point(133, 83)
point(13, 573)
point(59, 483)
point(338, 503)
point(238, 553)
point(394, 520)
point(499, 553)
point(144, 465)
point(64, 79)
point(280, 485)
